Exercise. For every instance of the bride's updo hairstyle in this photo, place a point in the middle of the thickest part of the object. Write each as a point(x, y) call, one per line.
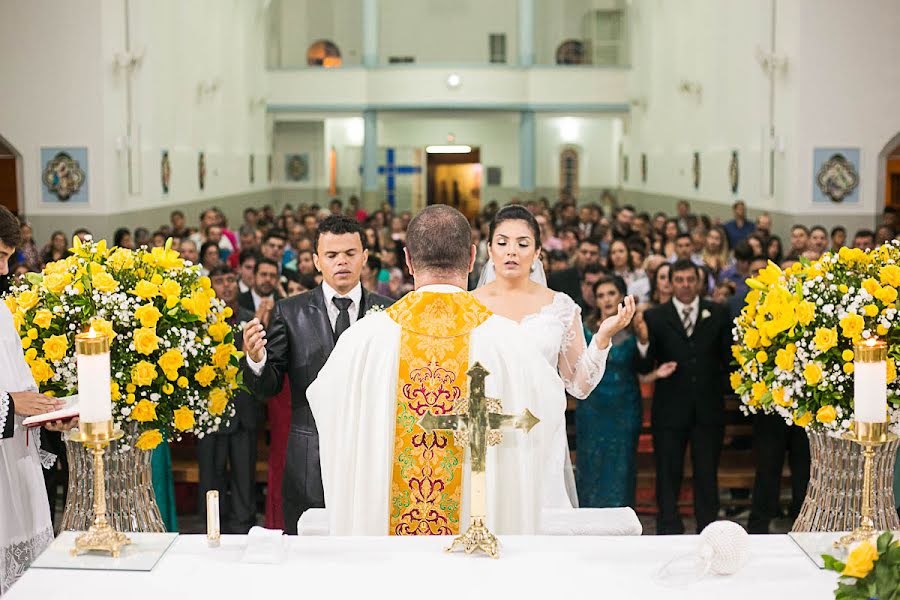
point(516, 212)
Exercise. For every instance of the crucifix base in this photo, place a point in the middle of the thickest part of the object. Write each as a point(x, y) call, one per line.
point(477, 537)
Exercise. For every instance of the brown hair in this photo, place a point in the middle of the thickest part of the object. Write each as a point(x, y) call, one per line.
point(10, 229)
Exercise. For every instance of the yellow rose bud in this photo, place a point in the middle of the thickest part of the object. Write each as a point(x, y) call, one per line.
point(144, 411)
point(31, 354)
point(847, 355)
point(761, 356)
point(182, 382)
point(802, 420)
point(184, 418)
point(736, 380)
point(26, 343)
point(848, 368)
point(881, 330)
point(149, 440)
point(156, 279)
point(227, 312)
point(870, 309)
point(861, 561)
point(32, 333)
point(812, 373)
point(218, 331)
point(826, 414)
point(168, 388)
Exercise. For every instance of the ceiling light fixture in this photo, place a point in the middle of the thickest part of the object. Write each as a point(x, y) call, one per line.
point(448, 149)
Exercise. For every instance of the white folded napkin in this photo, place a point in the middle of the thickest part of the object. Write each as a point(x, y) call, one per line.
point(264, 546)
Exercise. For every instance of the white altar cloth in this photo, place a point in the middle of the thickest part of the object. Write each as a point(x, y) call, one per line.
point(383, 567)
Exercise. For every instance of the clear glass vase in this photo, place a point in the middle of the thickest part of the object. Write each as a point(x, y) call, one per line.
point(834, 495)
point(130, 501)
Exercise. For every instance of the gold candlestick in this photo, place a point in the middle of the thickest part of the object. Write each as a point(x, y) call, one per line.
point(869, 436)
point(101, 536)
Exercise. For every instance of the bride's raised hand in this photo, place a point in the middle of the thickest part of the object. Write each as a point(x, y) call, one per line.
point(616, 323)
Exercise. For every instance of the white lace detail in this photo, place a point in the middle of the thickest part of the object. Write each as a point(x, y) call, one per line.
point(17, 556)
point(4, 409)
point(581, 367)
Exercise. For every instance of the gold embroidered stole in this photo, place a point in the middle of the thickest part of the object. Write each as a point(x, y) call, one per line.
point(427, 469)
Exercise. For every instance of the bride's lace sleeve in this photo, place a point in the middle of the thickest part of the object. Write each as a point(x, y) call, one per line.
point(581, 365)
point(7, 415)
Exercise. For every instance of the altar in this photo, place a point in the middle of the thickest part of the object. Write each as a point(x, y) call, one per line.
point(387, 567)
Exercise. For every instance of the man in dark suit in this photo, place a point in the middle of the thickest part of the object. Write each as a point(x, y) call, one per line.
point(568, 281)
point(233, 444)
point(688, 406)
point(261, 298)
point(301, 335)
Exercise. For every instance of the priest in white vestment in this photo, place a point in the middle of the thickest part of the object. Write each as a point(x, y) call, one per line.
point(382, 474)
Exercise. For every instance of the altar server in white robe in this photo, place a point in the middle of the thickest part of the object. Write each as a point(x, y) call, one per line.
point(25, 528)
point(382, 473)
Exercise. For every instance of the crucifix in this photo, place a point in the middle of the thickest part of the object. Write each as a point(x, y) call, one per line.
point(477, 423)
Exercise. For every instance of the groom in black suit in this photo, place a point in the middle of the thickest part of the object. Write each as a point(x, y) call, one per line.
point(688, 406)
point(302, 333)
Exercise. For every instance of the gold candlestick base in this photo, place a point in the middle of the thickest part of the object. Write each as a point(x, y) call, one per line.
point(869, 436)
point(100, 537)
point(477, 537)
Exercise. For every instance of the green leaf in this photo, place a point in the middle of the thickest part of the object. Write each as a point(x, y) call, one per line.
point(34, 278)
point(833, 564)
point(884, 541)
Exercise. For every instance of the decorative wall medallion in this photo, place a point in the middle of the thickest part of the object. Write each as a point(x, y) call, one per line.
point(297, 167)
point(734, 172)
point(837, 177)
point(201, 170)
point(64, 174)
point(695, 169)
point(165, 171)
point(643, 168)
point(252, 168)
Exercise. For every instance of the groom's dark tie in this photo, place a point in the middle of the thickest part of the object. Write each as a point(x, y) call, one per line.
point(343, 321)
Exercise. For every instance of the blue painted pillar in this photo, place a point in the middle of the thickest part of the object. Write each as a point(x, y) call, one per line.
point(526, 150)
point(370, 33)
point(526, 33)
point(370, 151)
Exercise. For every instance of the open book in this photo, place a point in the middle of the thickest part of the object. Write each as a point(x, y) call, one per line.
point(66, 413)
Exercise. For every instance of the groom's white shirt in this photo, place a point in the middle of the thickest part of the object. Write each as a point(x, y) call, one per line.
point(354, 401)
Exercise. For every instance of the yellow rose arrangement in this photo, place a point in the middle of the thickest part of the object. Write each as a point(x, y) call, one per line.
point(173, 359)
point(796, 333)
point(871, 570)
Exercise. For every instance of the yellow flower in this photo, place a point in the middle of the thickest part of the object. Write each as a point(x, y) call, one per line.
point(802, 420)
point(847, 355)
point(891, 370)
point(130, 388)
point(182, 382)
point(736, 380)
point(779, 397)
point(769, 275)
point(861, 561)
point(204, 375)
point(149, 440)
point(806, 312)
point(848, 368)
point(751, 338)
point(843, 288)
point(184, 418)
point(41, 371)
point(121, 258)
point(784, 359)
point(145, 340)
point(218, 400)
point(26, 343)
point(18, 320)
point(11, 304)
point(889, 275)
point(227, 312)
point(43, 318)
point(147, 314)
point(32, 333)
point(103, 326)
point(757, 391)
point(104, 282)
point(222, 355)
point(825, 339)
point(826, 414)
point(852, 326)
point(55, 347)
point(114, 390)
point(779, 304)
point(870, 309)
point(886, 294)
point(813, 373)
point(143, 373)
point(30, 355)
point(736, 353)
point(171, 361)
point(27, 299)
point(881, 330)
point(165, 258)
point(144, 411)
point(168, 388)
point(169, 288)
point(761, 356)
point(218, 331)
point(156, 279)
point(57, 283)
point(204, 283)
point(871, 285)
point(146, 290)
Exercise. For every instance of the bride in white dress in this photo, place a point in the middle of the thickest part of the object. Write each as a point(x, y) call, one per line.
point(513, 286)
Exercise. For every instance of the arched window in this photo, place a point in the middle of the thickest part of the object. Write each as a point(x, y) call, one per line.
point(570, 52)
point(568, 174)
point(323, 54)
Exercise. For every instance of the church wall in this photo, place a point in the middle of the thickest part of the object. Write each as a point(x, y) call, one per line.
point(297, 24)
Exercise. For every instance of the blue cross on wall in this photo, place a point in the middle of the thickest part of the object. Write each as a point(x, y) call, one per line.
point(391, 169)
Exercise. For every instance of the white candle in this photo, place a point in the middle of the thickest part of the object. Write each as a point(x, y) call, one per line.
point(870, 381)
point(94, 395)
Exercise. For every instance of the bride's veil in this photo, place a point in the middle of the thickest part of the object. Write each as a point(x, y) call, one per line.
point(488, 274)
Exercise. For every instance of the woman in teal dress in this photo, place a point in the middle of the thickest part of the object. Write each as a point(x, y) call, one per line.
point(164, 484)
point(608, 421)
